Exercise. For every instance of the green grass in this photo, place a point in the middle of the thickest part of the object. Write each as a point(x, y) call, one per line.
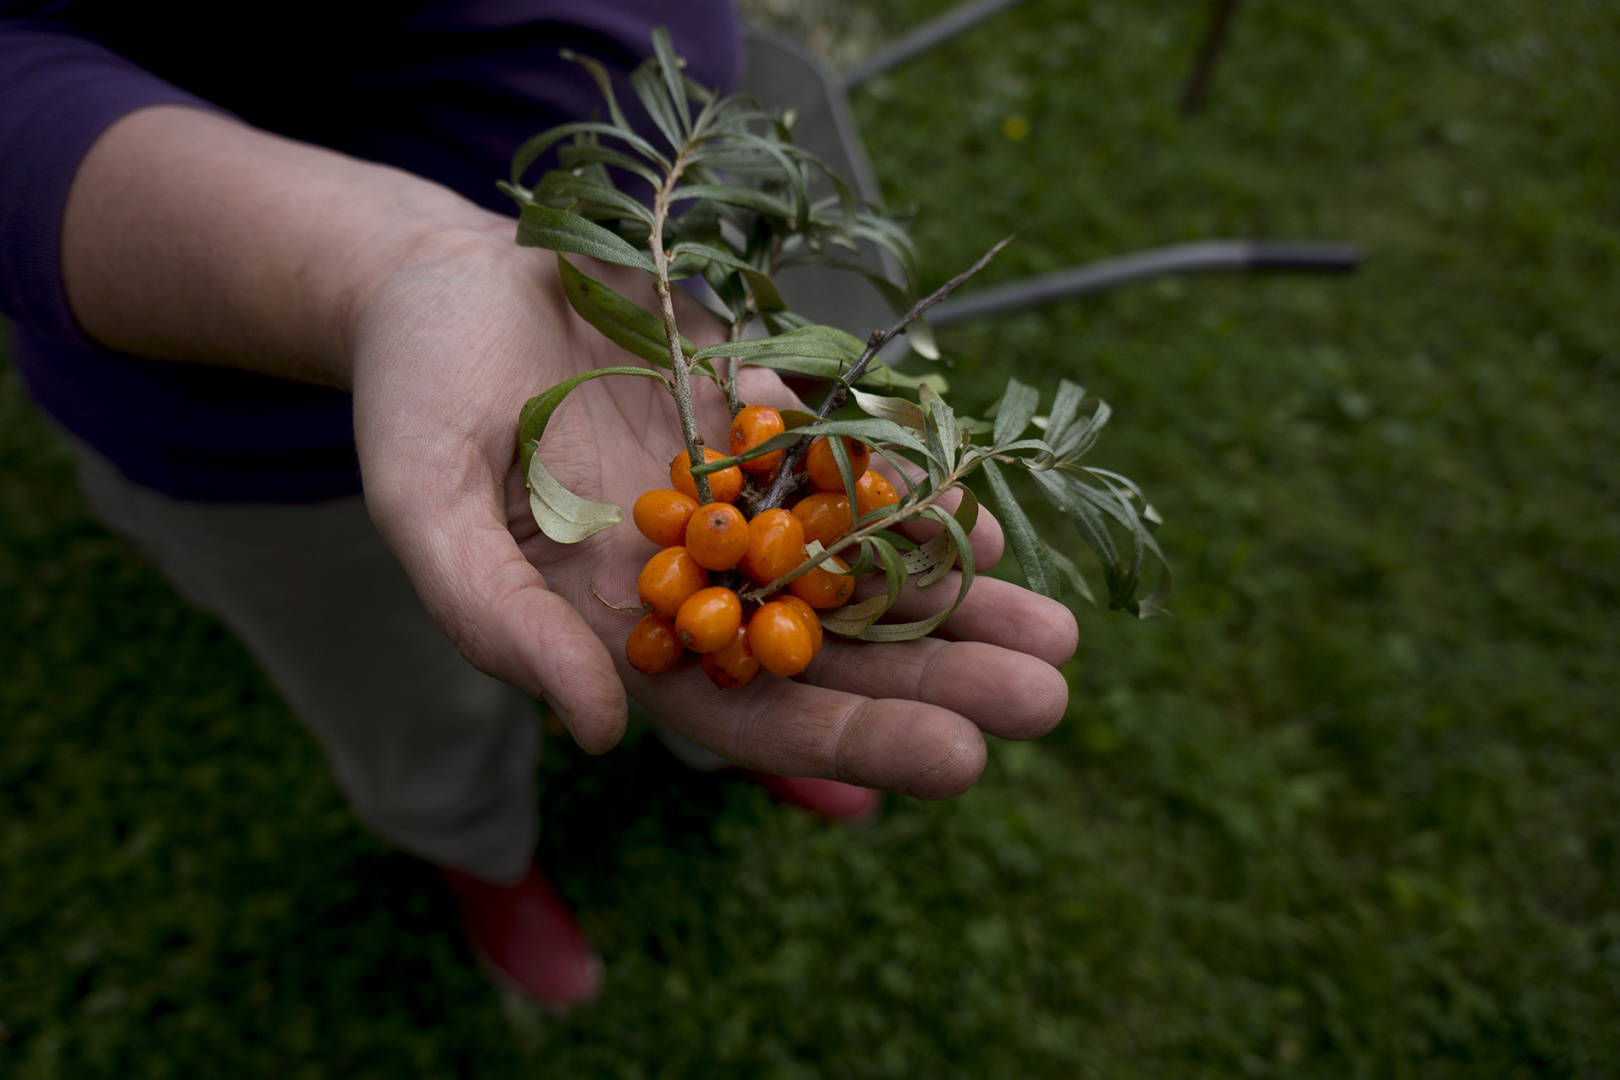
point(1353, 811)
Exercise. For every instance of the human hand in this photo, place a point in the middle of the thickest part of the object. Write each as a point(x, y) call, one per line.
point(446, 353)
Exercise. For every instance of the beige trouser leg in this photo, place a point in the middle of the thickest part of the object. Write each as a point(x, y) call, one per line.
point(434, 756)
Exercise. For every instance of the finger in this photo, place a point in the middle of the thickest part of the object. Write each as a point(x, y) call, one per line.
point(497, 609)
point(1008, 694)
point(797, 729)
point(995, 612)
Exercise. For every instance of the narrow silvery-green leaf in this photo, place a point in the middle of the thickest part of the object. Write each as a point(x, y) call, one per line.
point(557, 186)
point(1150, 515)
point(888, 237)
point(871, 431)
point(921, 336)
point(811, 342)
point(792, 173)
point(903, 469)
point(603, 82)
point(519, 195)
point(594, 155)
point(940, 430)
point(1093, 529)
point(967, 511)
point(533, 147)
point(920, 628)
point(687, 265)
point(741, 161)
point(621, 320)
point(846, 472)
point(1017, 406)
point(748, 198)
point(1064, 408)
point(849, 204)
point(728, 286)
point(1036, 455)
point(537, 410)
point(558, 230)
point(1022, 445)
point(721, 255)
point(1027, 545)
point(862, 565)
point(900, 410)
point(938, 554)
point(696, 91)
point(1066, 567)
point(1116, 502)
point(713, 106)
point(851, 620)
point(766, 296)
point(813, 366)
point(880, 376)
point(563, 516)
point(670, 65)
point(650, 89)
point(932, 558)
point(1082, 434)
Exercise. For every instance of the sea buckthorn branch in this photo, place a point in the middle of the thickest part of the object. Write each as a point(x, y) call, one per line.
point(677, 359)
point(728, 199)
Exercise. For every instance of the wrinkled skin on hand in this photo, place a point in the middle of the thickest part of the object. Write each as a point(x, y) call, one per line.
point(445, 354)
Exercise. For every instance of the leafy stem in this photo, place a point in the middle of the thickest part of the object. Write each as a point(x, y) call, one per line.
point(785, 481)
point(666, 306)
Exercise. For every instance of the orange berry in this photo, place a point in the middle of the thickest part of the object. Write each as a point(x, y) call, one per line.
point(872, 492)
point(668, 580)
point(821, 588)
point(662, 514)
point(753, 426)
point(717, 536)
point(734, 665)
point(825, 516)
point(709, 619)
point(652, 647)
point(775, 546)
point(808, 614)
point(822, 468)
point(780, 639)
point(725, 486)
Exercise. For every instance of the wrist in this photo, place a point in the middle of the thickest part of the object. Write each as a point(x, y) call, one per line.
point(429, 236)
point(190, 236)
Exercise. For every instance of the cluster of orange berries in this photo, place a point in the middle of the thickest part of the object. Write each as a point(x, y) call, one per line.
point(684, 611)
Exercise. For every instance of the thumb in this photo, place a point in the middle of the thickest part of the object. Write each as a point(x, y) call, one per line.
point(499, 612)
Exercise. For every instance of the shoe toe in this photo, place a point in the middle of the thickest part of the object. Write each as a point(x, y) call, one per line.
point(528, 940)
point(830, 799)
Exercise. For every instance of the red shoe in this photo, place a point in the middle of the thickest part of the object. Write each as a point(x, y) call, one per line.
point(527, 940)
point(830, 799)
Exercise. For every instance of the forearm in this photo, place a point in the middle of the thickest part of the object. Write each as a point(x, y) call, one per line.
point(190, 236)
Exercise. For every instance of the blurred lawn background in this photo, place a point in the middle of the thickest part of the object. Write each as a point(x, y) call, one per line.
point(1353, 811)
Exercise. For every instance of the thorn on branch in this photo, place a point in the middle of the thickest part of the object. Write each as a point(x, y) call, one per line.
point(836, 397)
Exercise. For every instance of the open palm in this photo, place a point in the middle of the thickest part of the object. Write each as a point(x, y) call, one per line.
point(446, 354)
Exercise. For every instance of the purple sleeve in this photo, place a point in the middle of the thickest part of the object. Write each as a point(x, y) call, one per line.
point(58, 92)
